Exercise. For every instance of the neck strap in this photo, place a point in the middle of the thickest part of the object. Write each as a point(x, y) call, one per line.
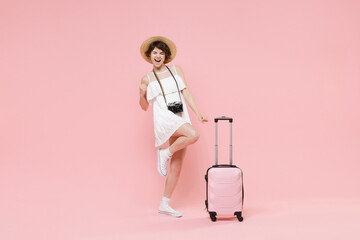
point(162, 87)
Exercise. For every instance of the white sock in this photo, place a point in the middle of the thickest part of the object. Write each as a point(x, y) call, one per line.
point(165, 200)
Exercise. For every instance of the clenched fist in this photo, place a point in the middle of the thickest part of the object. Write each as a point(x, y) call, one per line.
point(202, 118)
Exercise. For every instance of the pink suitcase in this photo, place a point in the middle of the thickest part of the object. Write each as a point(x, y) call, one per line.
point(224, 185)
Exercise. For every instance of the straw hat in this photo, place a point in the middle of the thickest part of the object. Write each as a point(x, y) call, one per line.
point(145, 46)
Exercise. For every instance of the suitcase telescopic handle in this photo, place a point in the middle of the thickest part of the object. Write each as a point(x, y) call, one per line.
point(223, 118)
point(216, 137)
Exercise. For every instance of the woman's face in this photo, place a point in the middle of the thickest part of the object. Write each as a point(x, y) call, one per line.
point(157, 57)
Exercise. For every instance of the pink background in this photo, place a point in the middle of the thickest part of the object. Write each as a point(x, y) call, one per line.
point(77, 156)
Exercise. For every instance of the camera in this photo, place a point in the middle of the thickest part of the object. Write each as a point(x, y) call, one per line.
point(175, 107)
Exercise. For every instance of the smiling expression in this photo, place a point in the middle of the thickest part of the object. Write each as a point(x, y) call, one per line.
point(157, 57)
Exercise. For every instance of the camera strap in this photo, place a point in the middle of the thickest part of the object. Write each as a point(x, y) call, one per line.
point(162, 86)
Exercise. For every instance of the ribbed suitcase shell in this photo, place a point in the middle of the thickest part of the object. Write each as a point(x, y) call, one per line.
point(224, 190)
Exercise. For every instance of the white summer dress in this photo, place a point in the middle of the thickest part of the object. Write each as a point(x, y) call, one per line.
point(165, 121)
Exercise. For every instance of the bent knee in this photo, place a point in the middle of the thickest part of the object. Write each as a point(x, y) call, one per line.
point(195, 135)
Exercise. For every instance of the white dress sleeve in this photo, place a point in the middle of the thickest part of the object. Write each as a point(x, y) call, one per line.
point(152, 91)
point(179, 80)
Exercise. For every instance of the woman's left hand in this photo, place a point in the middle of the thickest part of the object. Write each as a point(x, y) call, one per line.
point(202, 118)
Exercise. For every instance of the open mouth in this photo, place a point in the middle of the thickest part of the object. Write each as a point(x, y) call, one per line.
point(157, 60)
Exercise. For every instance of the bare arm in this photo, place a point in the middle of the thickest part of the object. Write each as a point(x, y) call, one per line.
point(143, 86)
point(189, 98)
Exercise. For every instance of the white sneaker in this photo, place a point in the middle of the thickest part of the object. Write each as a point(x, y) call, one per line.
point(162, 161)
point(166, 209)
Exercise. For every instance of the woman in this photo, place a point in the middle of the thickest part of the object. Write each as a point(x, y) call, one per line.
point(165, 88)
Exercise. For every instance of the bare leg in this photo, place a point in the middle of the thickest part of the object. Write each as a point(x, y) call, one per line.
point(175, 169)
point(186, 135)
point(183, 137)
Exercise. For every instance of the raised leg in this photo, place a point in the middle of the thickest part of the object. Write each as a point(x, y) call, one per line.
point(185, 135)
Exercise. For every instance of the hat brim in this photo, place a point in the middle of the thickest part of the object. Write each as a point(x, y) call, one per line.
point(145, 46)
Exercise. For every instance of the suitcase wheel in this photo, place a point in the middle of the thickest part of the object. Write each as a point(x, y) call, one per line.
point(239, 217)
point(213, 216)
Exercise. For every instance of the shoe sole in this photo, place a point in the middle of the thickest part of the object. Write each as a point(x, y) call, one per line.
point(158, 163)
point(170, 214)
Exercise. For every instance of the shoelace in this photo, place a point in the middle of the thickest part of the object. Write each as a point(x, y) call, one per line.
point(163, 165)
